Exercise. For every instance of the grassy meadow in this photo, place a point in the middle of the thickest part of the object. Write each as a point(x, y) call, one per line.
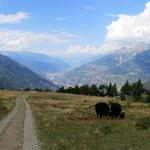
point(65, 122)
point(7, 102)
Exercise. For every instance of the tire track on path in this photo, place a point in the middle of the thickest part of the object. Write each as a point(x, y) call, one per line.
point(30, 140)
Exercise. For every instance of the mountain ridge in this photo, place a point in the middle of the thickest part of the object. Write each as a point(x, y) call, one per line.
point(115, 67)
point(15, 76)
point(39, 63)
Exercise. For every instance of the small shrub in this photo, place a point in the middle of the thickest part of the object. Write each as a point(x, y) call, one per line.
point(142, 123)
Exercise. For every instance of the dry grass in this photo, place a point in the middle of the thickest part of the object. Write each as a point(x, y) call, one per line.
point(7, 101)
point(65, 122)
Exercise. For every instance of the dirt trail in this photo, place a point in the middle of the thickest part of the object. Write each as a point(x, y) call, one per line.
point(4, 122)
point(11, 137)
point(17, 130)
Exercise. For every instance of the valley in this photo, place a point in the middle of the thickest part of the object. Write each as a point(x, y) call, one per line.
point(116, 67)
point(74, 75)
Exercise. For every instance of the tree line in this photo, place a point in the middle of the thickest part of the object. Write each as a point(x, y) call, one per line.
point(93, 90)
point(135, 90)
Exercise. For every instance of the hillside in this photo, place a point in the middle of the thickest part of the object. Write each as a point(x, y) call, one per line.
point(115, 67)
point(39, 63)
point(14, 75)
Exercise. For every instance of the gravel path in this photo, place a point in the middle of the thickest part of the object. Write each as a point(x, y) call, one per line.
point(17, 130)
point(30, 140)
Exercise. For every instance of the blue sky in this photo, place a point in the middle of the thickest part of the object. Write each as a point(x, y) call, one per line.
point(66, 24)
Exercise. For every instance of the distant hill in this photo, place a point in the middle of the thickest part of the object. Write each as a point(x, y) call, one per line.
point(39, 63)
point(115, 67)
point(14, 75)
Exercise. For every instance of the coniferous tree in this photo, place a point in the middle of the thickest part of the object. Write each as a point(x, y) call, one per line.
point(84, 89)
point(137, 88)
point(110, 90)
point(94, 90)
point(61, 89)
point(86, 92)
point(76, 90)
point(126, 88)
point(114, 88)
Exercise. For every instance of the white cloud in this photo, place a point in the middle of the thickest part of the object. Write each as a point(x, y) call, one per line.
point(20, 40)
point(62, 18)
point(125, 31)
point(132, 31)
point(90, 8)
point(78, 49)
point(113, 15)
point(13, 18)
point(93, 50)
point(128, 28)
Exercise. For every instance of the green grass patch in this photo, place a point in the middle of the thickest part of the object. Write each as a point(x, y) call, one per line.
point(7, 102)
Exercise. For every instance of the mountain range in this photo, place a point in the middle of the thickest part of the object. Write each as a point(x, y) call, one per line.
point(116, 67)
point(15, 76)
point(39, 63)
